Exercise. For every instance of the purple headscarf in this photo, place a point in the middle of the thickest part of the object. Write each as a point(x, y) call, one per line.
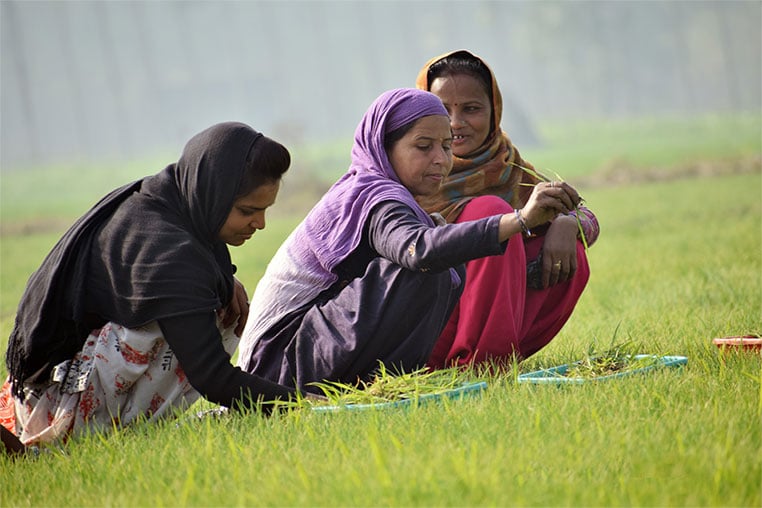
point(333, 228)
point(304, 265)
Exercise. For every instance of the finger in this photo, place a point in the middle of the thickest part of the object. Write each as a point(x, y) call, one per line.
point(242, 318)
point(243, 313)
point(545, 277)
point(566, 269)
point(556, 273)
point(564, 193)
point(555, 197)
point(232, 311)
point(556, 207)
point(561, 195)
point(229, 318)
point(235, 305)
point(550, 271)
point(572, 193)
point(565, 273)
point(224, 316)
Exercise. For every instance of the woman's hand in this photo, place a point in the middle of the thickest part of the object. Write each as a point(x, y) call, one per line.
point(559, 251)
point(547, 200)
point(237, 309)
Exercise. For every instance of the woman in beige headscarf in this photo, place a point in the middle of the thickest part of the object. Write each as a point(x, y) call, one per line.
point(513, 304)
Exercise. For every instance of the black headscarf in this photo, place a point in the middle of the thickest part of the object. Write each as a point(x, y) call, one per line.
point(146, 251)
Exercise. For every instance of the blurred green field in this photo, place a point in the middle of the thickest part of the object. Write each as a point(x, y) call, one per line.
point(678, 262)
point(584, 150)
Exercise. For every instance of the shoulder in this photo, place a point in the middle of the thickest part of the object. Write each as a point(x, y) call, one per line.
point(148, 237)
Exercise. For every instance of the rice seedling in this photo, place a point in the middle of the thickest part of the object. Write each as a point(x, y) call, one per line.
point(543, 178)
point(618, 359)
point(679, 264)
point(389, 386)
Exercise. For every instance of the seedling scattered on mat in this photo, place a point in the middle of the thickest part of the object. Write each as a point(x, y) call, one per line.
point(386, 386)
point(620, 358)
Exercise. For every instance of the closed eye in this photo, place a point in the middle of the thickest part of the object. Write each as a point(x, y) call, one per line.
point(249, 211)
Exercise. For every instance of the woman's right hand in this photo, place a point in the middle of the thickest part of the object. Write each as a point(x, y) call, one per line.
point(547, 200)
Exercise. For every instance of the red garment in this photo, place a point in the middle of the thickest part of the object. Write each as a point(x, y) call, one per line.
point(7, 408)
point(497, 316)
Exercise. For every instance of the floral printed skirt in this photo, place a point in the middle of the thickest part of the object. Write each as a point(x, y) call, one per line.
point(120, 375)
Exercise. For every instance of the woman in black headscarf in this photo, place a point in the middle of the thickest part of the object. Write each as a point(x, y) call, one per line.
point(135, 311)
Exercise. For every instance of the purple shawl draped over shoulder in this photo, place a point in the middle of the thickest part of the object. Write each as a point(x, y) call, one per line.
point(304, 265)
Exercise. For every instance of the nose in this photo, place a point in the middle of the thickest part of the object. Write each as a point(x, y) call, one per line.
point(443, 156)
point(456, 120)
point(258, 220)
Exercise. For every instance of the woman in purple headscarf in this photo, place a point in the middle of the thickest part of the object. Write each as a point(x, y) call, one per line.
point(368, 277)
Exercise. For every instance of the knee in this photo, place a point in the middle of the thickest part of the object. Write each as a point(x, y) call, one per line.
point(484, 206)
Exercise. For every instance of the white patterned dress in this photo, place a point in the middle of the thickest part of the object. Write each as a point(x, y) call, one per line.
point(120, 375)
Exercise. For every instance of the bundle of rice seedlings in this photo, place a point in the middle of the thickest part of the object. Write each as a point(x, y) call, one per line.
point(387, 386)
point(619, 358)
point(544, 178)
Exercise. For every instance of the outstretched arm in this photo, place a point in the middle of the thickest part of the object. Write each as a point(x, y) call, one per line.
point(197, 344)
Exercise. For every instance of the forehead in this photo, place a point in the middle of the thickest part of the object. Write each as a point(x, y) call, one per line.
point(459, 87)
point(433, 126)
point(261, 197)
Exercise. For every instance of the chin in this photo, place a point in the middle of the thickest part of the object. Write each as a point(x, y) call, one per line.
point(427, 193)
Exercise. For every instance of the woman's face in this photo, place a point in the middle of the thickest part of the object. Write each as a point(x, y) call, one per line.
point(470, 110)
point(423, 157)
point(248, 214)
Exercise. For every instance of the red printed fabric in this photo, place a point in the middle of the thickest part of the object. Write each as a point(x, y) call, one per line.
point(120, 375)
point(7, 408)
point(497, 317)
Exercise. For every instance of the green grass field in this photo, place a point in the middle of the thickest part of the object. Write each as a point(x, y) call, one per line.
point(678, 262)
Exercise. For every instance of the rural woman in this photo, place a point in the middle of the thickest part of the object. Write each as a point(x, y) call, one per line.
point(513, 304)
point(135, 312)
point(368, 277)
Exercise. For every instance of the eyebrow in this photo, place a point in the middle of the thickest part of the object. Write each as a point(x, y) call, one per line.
point(466, 102)
point(431, 138)
point(253, 207)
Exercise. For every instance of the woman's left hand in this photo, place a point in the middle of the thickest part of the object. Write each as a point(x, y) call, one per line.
point(559, 251)
point(237, 309)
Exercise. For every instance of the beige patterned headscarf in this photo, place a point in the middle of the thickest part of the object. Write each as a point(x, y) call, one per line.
point(494, 170)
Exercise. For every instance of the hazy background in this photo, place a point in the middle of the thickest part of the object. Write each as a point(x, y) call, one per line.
point(109, 81)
